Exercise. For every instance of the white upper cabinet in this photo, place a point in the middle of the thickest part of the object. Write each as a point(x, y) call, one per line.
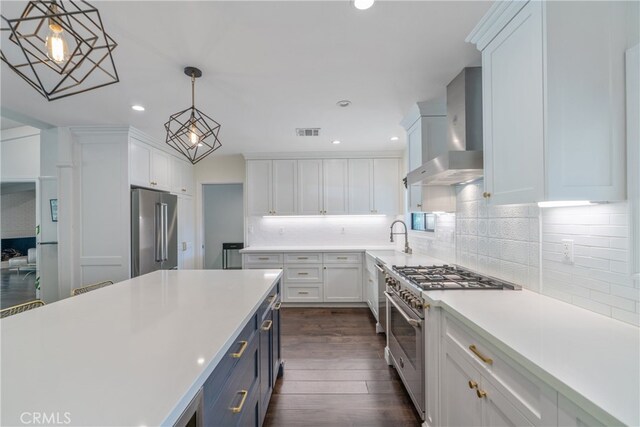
point(310, 187)
point(323, 186)
point(182, 179)
point(335, 188)
point(140, 163)
point(361, 186)
point(160, 170)
point(259, 186)
point(386, 186)
point(512, 110)
point(285, 184)
point(554, 100)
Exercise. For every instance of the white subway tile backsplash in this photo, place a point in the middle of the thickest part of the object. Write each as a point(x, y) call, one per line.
point(605, 230)
point(626, 316)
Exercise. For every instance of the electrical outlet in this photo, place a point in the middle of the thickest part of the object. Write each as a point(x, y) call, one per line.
point(281, 230)
point(342, 230)
point(567, 251)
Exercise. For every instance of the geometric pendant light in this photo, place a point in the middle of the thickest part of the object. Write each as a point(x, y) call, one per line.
point(59, 48)
point(191, 132)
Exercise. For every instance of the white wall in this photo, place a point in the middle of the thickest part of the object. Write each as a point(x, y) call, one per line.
point(19, 214)
point(223, 221)
point(20, 152)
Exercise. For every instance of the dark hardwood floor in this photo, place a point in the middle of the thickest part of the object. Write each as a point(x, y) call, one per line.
point(335, 373)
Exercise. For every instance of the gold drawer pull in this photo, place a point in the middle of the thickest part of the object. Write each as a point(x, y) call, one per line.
point(277, 306)
point(473, 384)
point(342, 257)
point(303, 257)
point(303, 274)
point(485, 359)
point(239, 354)
point(481, 394)
point(266, 328)
point(238, 409)
point(271, 298)
point(302, 292)
point(263, 258)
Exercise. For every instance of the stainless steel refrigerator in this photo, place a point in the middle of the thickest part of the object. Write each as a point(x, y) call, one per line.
point(154, 231)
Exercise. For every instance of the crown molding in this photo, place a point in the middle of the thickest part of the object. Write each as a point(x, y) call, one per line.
point(499, 15)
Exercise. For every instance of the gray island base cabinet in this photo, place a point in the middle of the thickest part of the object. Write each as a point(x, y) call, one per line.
point(238, 391)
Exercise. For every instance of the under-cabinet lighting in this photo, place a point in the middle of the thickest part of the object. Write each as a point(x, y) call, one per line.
point(363, 4)
point(438, 212)
point(567, 203)
point(137, 107)
point(324, 216)
point(201, 361)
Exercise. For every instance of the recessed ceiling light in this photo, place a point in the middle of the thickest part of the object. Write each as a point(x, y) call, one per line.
point(363, 4)
point(394, 138)
point(335, 141)
point(137, 107)
point(343, 103)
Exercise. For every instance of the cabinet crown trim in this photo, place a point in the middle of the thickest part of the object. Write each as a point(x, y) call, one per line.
point(324, 155)
point(499, 15)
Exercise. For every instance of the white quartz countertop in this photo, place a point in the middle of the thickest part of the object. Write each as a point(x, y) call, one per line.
point(315, 248)
point(592, 359)
point(131, 354)
point(391, 258)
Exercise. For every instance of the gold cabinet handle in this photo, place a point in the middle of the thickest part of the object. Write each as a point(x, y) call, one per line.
point(473, 384)
point(342, 257)
point(184, 189)
point(263, 258)
point(243, 347)
point(271, 298)
point(481, 394)
point(303, 257)
point(269, 324)
point(302, 292)
point(238, 409)
point(485, 359)
point(486, 195)
point(302, 273)
point(277, 306)
point(426, 306)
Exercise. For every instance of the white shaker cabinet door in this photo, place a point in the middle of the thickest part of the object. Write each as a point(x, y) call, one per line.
point(259, 187)
point(512, 79)
point(360, 186)
point(335, 186)
point(460, 405)
point(343, 283)
point(140, 164)
point(386, 186)
point(160, 170)
point(310, 187)
point(285, 185)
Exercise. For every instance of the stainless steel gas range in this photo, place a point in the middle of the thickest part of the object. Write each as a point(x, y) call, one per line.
point(406, 307)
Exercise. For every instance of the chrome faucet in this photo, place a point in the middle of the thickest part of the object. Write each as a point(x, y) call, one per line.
point(407, 249)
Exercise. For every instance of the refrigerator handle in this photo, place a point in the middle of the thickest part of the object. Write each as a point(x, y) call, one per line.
point(165, 232)
point(158, 236)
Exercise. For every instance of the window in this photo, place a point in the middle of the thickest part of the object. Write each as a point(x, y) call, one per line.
point(423, 221)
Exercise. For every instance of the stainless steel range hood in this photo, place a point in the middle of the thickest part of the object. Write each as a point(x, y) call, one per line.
point(461, 159)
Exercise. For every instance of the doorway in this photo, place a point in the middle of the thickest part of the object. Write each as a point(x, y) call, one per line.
point(18, 230)
point(223, 220)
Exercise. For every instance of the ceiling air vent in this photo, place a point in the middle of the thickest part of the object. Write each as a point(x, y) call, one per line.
point(308, 131)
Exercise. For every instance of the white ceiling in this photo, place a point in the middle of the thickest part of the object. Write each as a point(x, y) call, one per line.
point(270, 67)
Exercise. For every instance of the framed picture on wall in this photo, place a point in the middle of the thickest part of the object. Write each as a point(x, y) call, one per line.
point(54, 209)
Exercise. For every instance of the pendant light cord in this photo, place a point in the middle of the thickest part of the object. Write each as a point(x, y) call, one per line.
point(193, 90)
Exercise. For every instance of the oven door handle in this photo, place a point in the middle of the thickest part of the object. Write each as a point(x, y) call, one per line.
point(412, 322)
point(380, 269)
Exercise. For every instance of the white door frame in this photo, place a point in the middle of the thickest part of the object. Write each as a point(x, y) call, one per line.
point(200, 217)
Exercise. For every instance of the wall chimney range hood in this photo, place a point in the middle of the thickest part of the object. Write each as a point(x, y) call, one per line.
point(461, 159)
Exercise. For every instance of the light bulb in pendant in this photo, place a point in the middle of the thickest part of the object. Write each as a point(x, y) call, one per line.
point(56, 45)
point(193, 135)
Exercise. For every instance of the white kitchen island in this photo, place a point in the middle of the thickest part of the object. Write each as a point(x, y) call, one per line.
point(132, 354)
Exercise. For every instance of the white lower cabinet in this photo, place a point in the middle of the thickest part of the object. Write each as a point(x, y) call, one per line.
point(343, 283)
point(482, 386)
point(570, 415)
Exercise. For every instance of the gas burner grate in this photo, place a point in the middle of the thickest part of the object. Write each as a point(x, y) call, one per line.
point(443, 277)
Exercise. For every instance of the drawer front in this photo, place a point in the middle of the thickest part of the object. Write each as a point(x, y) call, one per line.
point(303, 258)
point(528, 394)
point(234, 400)
point(238, 352)
point(262, 266)
point(303, 293)
point(343, 258)
point(303, 273)
point(263, 258)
